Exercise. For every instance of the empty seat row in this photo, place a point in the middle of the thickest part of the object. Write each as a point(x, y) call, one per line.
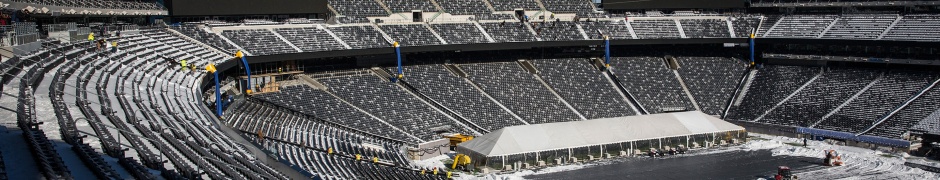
point(394, 105)
point(830, 90)
point(258, 41)
point(711, 80)
point(584, 87)
point(520, 92)
point(360, 37)
point(411, 34)
point(652, 83)
point(886, 94)
point(310, 39)
point(508, 31)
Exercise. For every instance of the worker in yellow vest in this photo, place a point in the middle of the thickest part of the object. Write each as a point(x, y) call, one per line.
point(91, 38)
point(329, 151)
point(435, 171)
point(375, 159)
point(183, 64)
point(358, 157)
point(449, 174)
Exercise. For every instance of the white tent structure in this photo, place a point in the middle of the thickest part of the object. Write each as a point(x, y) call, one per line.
point(583, 139)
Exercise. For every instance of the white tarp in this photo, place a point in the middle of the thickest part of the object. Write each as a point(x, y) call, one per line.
point(563, 135)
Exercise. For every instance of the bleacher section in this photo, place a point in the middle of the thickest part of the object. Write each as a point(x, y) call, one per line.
point(394, 105)
point(519, 91)
point(460, 33)
point(399, 6)
point(877, 101)
point(581, 7)
point(103, 4)
point(705, 28)
point(711, 80)
point(357, 10)
point(584, 87)
point(411, 34)
point(326, 166)
point(598, 29)
point(258, 41)
point(655, 29)
point(508, 32)
point(898, 125)
point(653, 84)
point(916, 28)
point(744, 25)
point(509, 5)
point(310, 39)
point(360, 37)
point(770, 84)
point(860, 26)
point(464, 7)
point(208, 38)
point(460, 96)
point(148, 106)
point(810, 105)
point(329, 108)
point(801, 26)
point(260, 120)
point(558, 31)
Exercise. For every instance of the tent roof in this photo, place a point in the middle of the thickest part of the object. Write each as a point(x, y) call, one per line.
point(563, 135)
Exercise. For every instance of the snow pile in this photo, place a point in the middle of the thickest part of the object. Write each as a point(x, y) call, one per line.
point(860, 163)
point(435, 162)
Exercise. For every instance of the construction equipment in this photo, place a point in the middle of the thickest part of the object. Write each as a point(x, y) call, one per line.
point(461, 160)
point(832, 158)
point(784, 173)
point(458, 138)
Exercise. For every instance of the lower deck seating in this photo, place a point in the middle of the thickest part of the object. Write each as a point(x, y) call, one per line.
point(394, 105)
point(584, 87)
point(332, 109)
point(262, 120)
point(899, 125)
point(520, 92)
point(652, 83)
point(711, 80)
point(770, 85)
point(830, 90)
point(322, 165)
point(460, 96)
point(877, 101)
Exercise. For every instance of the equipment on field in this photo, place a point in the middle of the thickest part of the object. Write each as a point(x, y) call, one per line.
point(461, 160)
point(457, 139)
point(832, 158)
point(784, 173)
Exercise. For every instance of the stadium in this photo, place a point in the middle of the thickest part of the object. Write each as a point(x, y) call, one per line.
point(469, 89)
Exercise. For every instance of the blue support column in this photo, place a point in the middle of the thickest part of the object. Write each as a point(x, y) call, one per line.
point(247, 70)
point(751, 46)
point(606, 51)
point(401, 72)
point(218, 95)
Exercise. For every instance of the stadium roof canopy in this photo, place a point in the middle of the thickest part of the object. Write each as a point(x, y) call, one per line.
point(564, 135)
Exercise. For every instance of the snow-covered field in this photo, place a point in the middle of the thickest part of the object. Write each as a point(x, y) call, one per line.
point(860, 163)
